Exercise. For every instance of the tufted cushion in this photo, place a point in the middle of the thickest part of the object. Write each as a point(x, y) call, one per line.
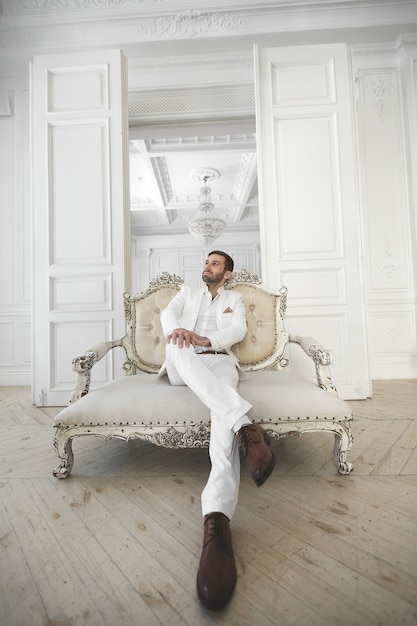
point(147, 346)
point(263, 345)
point(147, 399)
point(266, 338)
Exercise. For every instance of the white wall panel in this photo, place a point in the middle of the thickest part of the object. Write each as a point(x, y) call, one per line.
point(15, 244)
point(81, 231)
point(80, 202)
point(308, 199)
point(186, 257)
point(386, 133)
point(26, 329)
point(81, 293)
point(190, 266)
point(68, 339)
point(308, 287)
point(165, 260)
point(332, 326)
point(78, 89)
point(308, 187)
point(7, 219)
point(7, 343)
point(392, 333)
point(294, 85)
point(383, 180)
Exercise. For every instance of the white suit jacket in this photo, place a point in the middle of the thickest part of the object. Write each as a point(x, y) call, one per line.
point(182, 312)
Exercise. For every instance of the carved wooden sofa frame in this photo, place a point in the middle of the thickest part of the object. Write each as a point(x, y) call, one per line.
point(140, 405)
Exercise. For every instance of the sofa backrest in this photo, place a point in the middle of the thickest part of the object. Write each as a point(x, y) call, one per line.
point(263, 346)
point(266, 339)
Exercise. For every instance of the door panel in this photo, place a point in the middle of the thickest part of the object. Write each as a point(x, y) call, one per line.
point(80, 214)
point(309, 214)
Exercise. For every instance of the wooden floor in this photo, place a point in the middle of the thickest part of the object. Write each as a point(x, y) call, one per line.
point(118, 543)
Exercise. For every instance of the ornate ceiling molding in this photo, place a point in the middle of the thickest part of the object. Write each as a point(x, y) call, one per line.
point(199, 61)
point(231, 141)
point(192, 103)
point(27, 7)
point(191, 24)
point(162, 19)
point(36, 7)
point(246, 161)
point(31, 27)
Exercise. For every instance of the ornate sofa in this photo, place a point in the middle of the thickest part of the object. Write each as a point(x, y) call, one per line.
point(141, 405)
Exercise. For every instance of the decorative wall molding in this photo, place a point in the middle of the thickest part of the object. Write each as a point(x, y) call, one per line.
point(383, 180)
point(188, 61)
point(382, 49)
point(28, 7)
point(378, 84)
point(388, 272)
point(379, 10)
point(238, 101)
point(392, 332)
point(29, 27)
point(49, 25)
point(191, 24)
point(163, 176)
point(246, 160)
point(17, 37)
point(387, 208)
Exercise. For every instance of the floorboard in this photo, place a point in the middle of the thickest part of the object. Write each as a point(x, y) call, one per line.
point(120, 540)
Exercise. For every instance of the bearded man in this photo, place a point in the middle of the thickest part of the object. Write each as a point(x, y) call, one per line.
point(201, 326)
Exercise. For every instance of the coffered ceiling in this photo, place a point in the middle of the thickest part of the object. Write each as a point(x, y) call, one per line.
point(166, 176)
point(160, 37)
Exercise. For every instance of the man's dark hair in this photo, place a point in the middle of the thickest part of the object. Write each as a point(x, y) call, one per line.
point(228, 261)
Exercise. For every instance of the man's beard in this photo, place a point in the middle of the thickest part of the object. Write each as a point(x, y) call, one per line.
point(210, 278)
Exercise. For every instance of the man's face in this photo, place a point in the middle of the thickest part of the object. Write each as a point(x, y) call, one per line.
point(214, 272)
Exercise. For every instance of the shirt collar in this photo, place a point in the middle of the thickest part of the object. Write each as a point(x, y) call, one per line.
point(206, 291)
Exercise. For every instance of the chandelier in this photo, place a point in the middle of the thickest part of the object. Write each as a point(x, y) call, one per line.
point(206, 225)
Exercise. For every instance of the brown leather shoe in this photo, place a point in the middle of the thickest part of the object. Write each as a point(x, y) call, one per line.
point(260, 460)
point(216, 578)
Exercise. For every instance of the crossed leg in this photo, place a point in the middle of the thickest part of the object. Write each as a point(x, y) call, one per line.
point(214, 379)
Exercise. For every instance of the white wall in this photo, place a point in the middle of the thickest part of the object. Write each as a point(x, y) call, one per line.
point(386, 109)
point(15, 235)
point(185, 256)
point(385, 87)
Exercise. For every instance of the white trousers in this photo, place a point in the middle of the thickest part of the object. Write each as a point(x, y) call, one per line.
point(214, 379)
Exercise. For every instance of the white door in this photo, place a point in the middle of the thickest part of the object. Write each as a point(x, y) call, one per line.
point(309, 214)
point(80, 214)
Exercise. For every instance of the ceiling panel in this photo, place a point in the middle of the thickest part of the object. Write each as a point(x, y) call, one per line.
point(166, 179)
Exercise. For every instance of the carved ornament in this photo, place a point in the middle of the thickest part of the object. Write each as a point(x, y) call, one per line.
point(244, 276)
point(191, 24)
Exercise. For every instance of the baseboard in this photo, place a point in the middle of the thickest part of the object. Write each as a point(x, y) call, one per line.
point(15, 379)
point(394, 370)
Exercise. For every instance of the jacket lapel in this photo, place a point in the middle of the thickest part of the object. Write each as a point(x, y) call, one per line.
point(191, 308)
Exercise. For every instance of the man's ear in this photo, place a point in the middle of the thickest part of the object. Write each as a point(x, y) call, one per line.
point(227, 274)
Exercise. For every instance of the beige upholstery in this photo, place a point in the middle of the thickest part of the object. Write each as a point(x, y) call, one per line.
point(141, 405)
point(266, 338)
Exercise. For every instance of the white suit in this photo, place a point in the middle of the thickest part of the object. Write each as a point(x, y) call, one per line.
point(214, 379)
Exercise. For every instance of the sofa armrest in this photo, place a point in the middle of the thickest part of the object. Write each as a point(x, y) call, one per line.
point(322, 360)
point(83, 365)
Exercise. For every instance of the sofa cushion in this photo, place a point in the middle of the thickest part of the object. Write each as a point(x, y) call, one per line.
point(263, 345)
point(266, 338)
point(145, 399)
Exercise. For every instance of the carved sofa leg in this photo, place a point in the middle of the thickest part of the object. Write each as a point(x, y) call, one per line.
point(63, 447)
point(342, 443)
